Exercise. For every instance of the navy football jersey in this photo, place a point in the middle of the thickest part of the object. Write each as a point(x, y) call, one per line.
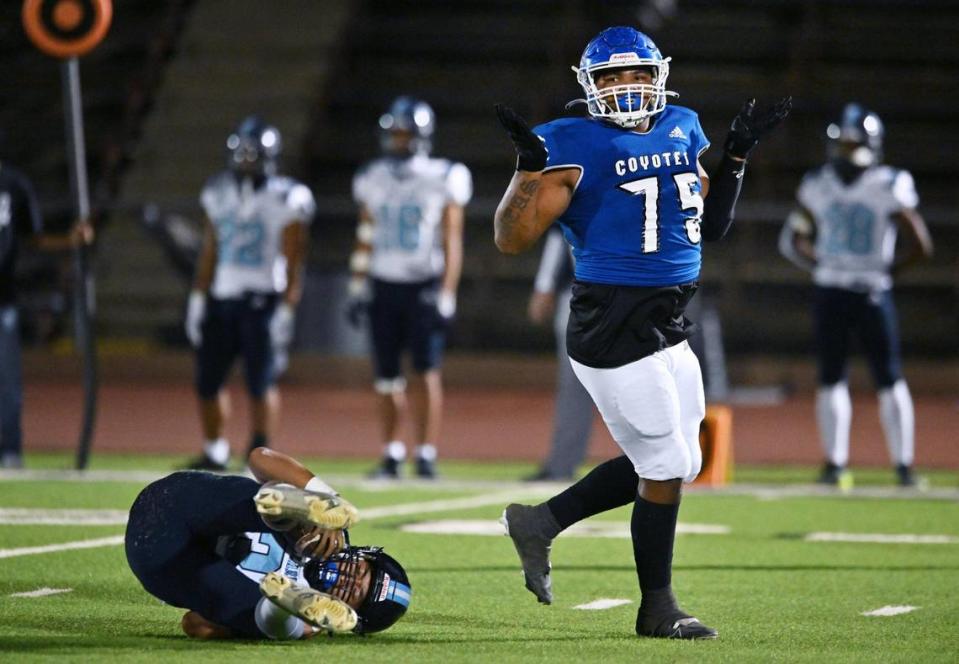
point(634, 218)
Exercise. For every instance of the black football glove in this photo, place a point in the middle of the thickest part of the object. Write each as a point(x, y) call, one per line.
point(530, 147)
point(750, 125)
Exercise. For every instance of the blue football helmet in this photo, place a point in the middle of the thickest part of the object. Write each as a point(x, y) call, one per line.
point(407, 127)
point(389, 592)
point(856, 138)
point(626, 105)
point(254, 147)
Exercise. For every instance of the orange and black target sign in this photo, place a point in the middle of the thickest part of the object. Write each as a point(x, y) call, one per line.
point(67, 28)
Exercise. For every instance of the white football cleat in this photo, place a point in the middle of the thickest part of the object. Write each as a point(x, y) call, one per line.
point(283, 506)
point(318, 609)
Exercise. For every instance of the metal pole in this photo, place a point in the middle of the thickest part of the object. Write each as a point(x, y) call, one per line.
point(83, 291)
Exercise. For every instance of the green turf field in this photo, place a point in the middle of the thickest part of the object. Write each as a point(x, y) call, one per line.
point(773, 594)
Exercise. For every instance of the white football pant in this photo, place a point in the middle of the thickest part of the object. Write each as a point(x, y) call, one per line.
point(653, 408)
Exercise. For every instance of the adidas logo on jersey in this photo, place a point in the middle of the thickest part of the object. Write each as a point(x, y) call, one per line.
point(677, 133)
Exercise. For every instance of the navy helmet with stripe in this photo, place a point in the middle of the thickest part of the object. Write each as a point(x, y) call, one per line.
point(389, 591)
point(857, 137)
point(415, 120)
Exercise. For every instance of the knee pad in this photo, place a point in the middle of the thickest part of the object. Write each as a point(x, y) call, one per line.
point(665, 458)
point(695, 463)
point(386, 386)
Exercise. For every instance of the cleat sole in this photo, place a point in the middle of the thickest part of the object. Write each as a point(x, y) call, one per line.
point(289, 503)
point(318, 609)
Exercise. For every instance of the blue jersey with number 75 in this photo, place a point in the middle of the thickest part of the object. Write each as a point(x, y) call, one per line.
point(634, 218)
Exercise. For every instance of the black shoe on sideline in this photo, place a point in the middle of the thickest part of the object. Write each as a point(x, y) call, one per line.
point(389, 469)
point(203, 462)
point(425, 468)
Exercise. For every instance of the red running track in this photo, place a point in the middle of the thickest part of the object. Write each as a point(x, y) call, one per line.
point(487, 424)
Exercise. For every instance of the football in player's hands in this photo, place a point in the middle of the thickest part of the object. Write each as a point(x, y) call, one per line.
point(530, 148)
point(750, 125)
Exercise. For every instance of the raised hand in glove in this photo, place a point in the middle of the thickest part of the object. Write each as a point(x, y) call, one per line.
point(750, 125)
point(530, 148)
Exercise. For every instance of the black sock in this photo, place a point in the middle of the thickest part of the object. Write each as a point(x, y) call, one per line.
point(259, 440)
point(653, 527)
point(608, 485)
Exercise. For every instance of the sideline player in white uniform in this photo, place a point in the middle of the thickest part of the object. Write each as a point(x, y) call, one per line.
point(405, 271)
point(626, 186)
point(844, 231)
point(249, 280)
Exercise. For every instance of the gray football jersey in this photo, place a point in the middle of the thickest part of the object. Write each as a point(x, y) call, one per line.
point(406, 200)
point(855, 231)
point(249, 226)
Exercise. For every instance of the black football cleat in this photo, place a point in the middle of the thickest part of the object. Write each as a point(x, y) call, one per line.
point(425, 469)
point(677, 625)
point(834, 475)
point(907, 478)
point(389, 469)
point(203, 462)
point(523, 527)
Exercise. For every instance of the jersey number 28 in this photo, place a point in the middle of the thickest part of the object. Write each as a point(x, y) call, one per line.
point(689, 199)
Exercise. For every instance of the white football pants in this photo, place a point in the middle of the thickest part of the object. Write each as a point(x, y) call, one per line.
point(653, 408)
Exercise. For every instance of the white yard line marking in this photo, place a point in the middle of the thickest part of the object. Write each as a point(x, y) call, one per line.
point(881, 538)
point(43, 592)
point(22, 516)
point(447, 504)
point(601, 604)
point(613, 529)
point(890, 610)
point(63, 546)
point(28, 475)
point(369, 514)
point(760, 491)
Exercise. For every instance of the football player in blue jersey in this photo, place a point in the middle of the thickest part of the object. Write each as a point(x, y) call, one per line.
point(261, 561)
point(249, 279)
point(626, 186)
point(844, 231)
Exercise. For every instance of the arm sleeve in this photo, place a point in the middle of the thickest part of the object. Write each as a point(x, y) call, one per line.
point(459, 185)
point(725, 184)
point(551, 263)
